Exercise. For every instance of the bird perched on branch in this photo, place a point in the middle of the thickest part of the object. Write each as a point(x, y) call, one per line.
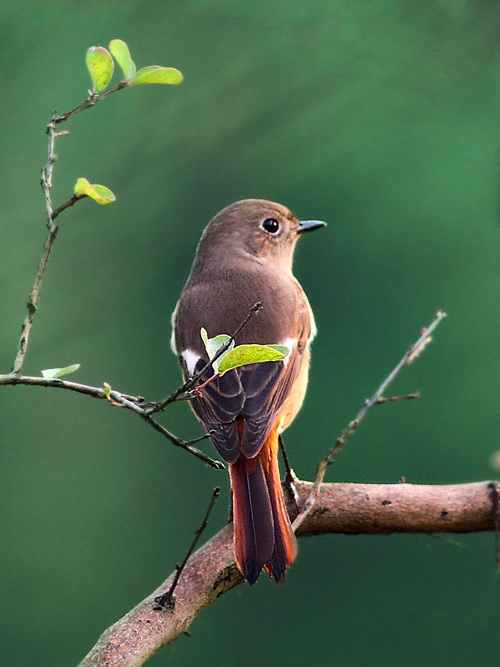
point(245, 256)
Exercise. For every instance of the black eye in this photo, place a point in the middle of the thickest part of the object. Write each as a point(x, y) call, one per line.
point(271, 225)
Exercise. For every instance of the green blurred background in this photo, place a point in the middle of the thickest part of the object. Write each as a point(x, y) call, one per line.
point(379, 117)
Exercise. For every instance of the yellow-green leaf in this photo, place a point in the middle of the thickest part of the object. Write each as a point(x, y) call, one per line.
point(249, 354)
point(204, 336)
point(213, 345)
point(121, 54)
point(100, 66)
point(280, 348)
point(156, 74)
point(99, 193)
point(52, 373)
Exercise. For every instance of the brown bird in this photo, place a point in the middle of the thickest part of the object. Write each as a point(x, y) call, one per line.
point(245, 256)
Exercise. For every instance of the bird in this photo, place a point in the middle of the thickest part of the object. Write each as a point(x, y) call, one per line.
point(245, 256)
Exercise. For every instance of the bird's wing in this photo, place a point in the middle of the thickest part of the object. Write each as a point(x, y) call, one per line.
point(242, 406)
point(254, 395)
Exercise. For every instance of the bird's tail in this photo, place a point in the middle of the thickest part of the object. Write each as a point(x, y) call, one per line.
point(263, 536)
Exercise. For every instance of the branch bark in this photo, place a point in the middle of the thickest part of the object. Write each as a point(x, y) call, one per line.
point(370, 509)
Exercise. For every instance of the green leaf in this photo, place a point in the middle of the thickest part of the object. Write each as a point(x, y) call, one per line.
point(99, 193)
point(121, 54)
point(213, 345)
point(156, 74)
point(280, 348)
point(52, 373)
point(250, 354)
point(100, 66)
point(204, 336)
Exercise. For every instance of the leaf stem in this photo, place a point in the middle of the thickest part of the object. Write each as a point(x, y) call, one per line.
point(67, 204)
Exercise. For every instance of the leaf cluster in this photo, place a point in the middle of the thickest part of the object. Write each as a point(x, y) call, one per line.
point(238, 355)
point(100, 65)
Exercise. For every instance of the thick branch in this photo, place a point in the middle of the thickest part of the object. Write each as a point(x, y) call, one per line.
point(375, 509)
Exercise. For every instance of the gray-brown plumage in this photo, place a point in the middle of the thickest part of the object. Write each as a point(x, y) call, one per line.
point(244, 256)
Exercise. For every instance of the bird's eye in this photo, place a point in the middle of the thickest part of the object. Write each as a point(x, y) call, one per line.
point(271, 225)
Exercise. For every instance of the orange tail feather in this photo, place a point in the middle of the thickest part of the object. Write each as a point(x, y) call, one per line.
point(263, 536)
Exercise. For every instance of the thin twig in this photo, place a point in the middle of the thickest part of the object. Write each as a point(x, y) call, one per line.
point(57, 383)
point(190, 382)
point(51, 215)
point(32, 304)
point(168, 599)
point(133, 403)
point(117, 399)
point(184, 444)
point(90, 102)
point(67, 204)
point(410, 355)
point(391, 399)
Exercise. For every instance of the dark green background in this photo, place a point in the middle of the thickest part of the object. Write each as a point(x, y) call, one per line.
point(382, 119)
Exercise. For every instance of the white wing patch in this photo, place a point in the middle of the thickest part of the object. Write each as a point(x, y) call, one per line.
point(190, 359)
point(290, 343)
point(314, 330)
point(172, 339)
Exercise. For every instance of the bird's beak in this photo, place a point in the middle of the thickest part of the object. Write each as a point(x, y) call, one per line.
point(309, 226)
